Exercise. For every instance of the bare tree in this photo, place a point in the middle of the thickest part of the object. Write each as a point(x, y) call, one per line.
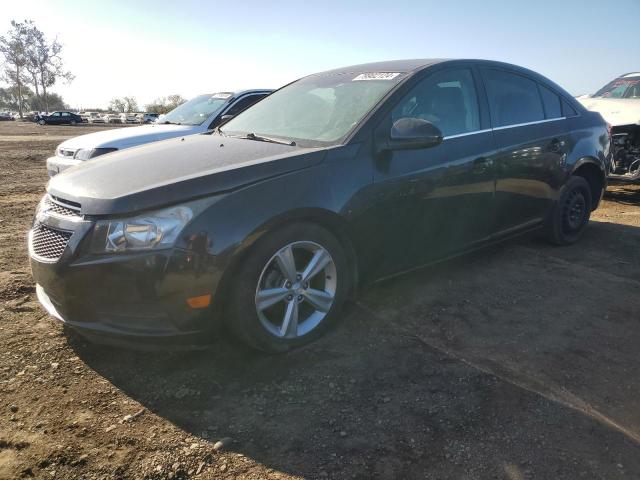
point(118, 105)
point(131, 105)
point(13, 48)
point(43, 61)
point(165, 104)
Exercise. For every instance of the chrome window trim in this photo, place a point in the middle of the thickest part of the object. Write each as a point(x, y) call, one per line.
point(529, 123)
point(503, 128)
point(458, 135)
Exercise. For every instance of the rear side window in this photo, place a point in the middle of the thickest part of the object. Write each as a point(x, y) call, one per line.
point(551, 103)
point(513, 99)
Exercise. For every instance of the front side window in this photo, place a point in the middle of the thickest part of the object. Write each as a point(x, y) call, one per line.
point(243, 104)
point(447, 99)
point(196, 110)
point(513, 99)
point(316, 110)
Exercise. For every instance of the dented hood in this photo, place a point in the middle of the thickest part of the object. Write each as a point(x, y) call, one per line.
point(616, 111)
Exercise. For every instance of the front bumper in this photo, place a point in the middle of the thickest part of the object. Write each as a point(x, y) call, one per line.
point(56, 164)
point(131, 300)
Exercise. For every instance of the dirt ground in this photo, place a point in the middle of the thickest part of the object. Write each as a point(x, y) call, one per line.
point(516, 362)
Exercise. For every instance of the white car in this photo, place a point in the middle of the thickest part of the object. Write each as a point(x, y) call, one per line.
point(199, 115)
point(129, 118)
point(95, 117)
point(619, 103)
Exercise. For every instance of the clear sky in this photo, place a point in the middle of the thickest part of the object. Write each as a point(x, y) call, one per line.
point(154, 48)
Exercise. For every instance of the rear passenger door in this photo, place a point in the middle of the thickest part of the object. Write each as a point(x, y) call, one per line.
point(530, 135)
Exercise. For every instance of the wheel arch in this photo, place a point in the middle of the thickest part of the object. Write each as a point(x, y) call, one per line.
point(331, 221)
point(591, 170)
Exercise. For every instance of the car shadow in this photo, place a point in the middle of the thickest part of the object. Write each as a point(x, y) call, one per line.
point(451, 371)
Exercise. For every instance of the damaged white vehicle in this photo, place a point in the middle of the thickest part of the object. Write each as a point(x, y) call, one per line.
point(619, 103)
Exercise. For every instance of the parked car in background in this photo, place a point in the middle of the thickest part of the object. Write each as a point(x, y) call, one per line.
point(129, 118)
point(60, 118)
point(149, 117)
point(341, 177)
point(84, 116)
point(113, 118)
point(619, 103)
point(198, 115)
point(96, 117)
point(6, 116)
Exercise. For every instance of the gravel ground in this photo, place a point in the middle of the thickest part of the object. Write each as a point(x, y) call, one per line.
point(516, 362)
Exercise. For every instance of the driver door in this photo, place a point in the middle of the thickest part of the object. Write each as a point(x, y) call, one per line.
point(435, 201)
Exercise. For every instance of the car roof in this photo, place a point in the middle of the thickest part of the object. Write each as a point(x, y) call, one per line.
point(402, 66)
point(632, 74)
point(237, 93)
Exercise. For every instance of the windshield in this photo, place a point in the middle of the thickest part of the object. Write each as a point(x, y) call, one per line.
point(623, 87)
point(319, 110)
point(196, 110)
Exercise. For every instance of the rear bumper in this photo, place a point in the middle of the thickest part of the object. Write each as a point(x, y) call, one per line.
point(56, 165)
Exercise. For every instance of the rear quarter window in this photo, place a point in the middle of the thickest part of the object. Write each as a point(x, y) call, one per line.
point(568, 110)
point(551, 102)
point(513, 99)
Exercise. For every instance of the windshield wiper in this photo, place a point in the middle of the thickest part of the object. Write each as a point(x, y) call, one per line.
point(261, 138)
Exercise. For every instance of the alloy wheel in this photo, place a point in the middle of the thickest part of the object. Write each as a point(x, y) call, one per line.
point(296, 289)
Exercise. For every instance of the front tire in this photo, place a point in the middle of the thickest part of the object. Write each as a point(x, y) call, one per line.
point(41, 122)
point(290, 288)
point(571, 213)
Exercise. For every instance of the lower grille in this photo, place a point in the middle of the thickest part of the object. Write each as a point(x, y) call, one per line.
point(48, 243)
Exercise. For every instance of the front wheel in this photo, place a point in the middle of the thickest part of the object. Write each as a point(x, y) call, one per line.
point(289, 289)
point(571, 213)
point(41, 122)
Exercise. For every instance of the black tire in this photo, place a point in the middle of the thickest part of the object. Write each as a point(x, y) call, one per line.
point(241, 316)
point(41, 122)
point(73, 123)
point(571, 212)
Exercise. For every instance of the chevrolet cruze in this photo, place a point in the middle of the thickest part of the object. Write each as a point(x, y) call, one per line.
point(268, 223)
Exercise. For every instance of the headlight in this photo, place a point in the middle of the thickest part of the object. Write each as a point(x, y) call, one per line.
point(87, 153)
point(158, 229)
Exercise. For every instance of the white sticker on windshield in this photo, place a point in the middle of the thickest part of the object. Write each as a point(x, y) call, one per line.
point(221, 95)
point(376, 76)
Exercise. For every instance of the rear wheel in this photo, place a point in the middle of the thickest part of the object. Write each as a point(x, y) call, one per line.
point(73, 122)
point(571, 213)
point(289, 289)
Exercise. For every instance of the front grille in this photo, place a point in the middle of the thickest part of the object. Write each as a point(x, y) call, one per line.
point(64, 209)
point(48, 243)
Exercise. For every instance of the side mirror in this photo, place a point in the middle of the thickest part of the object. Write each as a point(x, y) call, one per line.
point(226, 118)
point(413, 133)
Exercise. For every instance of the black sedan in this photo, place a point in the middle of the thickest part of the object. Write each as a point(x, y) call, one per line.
point(60, 118)
point(340, 178)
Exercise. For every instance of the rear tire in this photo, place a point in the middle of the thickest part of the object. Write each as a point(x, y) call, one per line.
point(571, 212)
point(316, 299)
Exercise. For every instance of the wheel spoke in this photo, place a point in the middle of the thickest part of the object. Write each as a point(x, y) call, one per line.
point(269, 297)
point(287, 264)
point(316, 264)
point(289, 327)
point(319, 299)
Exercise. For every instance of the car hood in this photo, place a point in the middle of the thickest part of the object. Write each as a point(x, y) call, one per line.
point(129, 137)
point(616, 111)
point(172, 171)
